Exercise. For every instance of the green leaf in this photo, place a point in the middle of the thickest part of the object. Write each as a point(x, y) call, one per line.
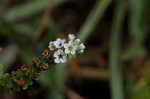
point(141, 90)
point(28, 9)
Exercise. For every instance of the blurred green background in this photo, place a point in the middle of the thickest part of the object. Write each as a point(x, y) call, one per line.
point(115, 64)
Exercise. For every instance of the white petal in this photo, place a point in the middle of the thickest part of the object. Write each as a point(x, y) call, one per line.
point(57, 60)
point(67, 51)
point(50, 43)
point(64, 59)
point(60, 51)
point(82, 46)
point(58, 39)
point(56, 54)
point(59, 43)
point(73, 52)
point(61, 60)
point(63, 41)
point(51, 46)
point(71, 36)
point(55, 43)
point(70, 42)
point(75, 47)
point(65, 45)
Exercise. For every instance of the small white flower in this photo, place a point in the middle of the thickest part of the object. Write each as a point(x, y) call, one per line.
point(60, 56)
point(82, 47)
point(59, 43)
point(52, 46)
point(71, 36)
point(70, 48)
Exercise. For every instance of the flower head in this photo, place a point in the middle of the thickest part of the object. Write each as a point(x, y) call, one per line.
point(59, 43)
point(70, 48)
point(52, 46)
point(60, 56)
point(71, 36)
point(65, 49)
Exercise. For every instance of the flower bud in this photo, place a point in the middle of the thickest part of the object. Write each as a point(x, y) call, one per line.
point(45, 53)
point(20, 82)
point(24, 68)
point(36, 74)
point(44, 66)
point(35, 61)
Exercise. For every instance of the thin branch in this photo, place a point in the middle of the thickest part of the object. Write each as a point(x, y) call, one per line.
point(1, 49)
point(43, 23)
point(72, 94)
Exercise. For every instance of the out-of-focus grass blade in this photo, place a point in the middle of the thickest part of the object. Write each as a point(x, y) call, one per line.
point(139, 13)
point(26, 29)
point(28, 9)
point(18, 38)
point(138, 17)
point(141, 90)
point(139, 10)
point(94, 17)
point(7, 56)
point(116, 78)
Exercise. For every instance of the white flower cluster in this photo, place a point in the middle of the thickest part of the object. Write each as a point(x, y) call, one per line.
point(65, 48)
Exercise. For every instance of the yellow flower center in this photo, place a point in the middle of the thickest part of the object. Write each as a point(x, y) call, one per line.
point(70, 47)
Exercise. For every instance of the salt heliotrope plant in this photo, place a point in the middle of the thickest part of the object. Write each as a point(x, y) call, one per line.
point(58, 51)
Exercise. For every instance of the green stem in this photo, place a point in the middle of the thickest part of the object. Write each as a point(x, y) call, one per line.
point(116, 80)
